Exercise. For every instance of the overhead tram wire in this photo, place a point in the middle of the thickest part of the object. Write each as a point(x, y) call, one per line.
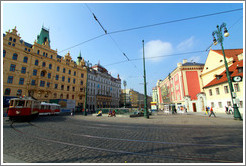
point(157, 57)
point(173, 21)
point(146, 26)
point(117, 45)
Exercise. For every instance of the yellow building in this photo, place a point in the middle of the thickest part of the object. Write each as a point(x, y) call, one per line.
point(215, 82)
point(38, 71)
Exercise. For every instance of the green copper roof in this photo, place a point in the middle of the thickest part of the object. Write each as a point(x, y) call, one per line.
point(79, 58)
point(43, 36)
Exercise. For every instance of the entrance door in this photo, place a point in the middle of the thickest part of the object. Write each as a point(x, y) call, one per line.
point(194, 107)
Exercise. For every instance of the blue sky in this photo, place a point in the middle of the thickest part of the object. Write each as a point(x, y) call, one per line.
point(72, 23)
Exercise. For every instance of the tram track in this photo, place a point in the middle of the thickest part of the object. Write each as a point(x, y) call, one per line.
point(204, 159)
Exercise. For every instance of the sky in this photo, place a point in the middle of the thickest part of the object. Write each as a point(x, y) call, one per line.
point(165, 45)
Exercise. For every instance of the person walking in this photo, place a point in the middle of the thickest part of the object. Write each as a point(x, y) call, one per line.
point(226, 109)
point(206, 113)
point(212, 112)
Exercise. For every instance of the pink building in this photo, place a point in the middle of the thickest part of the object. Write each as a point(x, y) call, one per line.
point(181, 87)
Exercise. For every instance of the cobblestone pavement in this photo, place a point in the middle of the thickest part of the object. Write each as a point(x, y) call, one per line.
point(90, 139)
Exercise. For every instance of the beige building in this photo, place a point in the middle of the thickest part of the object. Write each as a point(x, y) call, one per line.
point(215, 82)
point(37, 70)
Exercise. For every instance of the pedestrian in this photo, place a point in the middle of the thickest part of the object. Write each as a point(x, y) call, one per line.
point(212, 112)
point(226, 109)
point(230, 110)
point(109, 113)
point(185, 109)
point(206, 113)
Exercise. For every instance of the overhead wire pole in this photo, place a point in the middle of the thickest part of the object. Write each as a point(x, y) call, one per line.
point(146, 113)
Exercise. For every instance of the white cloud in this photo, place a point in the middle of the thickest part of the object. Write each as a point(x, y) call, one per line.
point(186, 44)
point(156, 48)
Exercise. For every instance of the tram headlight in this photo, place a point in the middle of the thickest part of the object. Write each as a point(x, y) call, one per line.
point(17, 112)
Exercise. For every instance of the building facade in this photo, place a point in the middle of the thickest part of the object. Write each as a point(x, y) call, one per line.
point(37, 70)
point(103, 90)
point(216, 85)
point(181, 87)
point(133, 99)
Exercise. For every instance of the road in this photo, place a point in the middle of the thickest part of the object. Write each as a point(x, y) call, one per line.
point(91, 139)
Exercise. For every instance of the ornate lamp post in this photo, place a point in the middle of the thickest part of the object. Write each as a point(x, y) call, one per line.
point(218, 32)
point(124, 83)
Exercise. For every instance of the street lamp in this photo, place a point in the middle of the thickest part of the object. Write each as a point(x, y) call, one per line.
point(124, 83)
point(218, 32)
point(146, 113)
point(87, 70)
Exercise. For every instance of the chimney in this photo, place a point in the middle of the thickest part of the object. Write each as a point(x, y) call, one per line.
point(184, 61)
point(179, 64)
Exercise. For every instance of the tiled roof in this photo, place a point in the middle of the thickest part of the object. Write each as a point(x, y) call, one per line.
point(192, 64)
point(230, 52)
point(223, 79)
point(28, 44)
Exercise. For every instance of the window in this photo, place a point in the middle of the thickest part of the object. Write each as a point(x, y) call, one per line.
point(64, 70)
point(42, 74)
point(55, 95)
point(42, 83)
point(61, 96)
point(10, 38)
point(220, 104)
point(7, 91)
point(74, 73)
point(240, 69)
point(25, 59)
point(36, 62)
point(10, 80)
point(63, 78)
point(236, 88)
point(21, 81)
point(12, 67)
point(58, 68)
point(57, 77)
point(9, 43)
point(67, 96)
point(48, 84)
point(43, 64)
point(68, 80)
point(74, 80)
point(34, 72)
point(50, 66)
point(69, 71)
point(226, 89)
point(38, 52)
point(56, 86)
point(81, 82)
point(15, 56)
point(72, 96)
point(4, 53)
point(43, 53)
point(33, 82)
point(73, 88)
point(228, 103)
point(210, 92)
point(14, 40)
point(68, 88)
point(19, 92)
point(82, 75)
point(62, 87)
point(217, 91)
point(49, 75)
point(23, 70)
point(51, 56)
point(13, 44)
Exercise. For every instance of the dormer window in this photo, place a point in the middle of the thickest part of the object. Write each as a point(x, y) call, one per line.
point(218, 77)
point(240, 69)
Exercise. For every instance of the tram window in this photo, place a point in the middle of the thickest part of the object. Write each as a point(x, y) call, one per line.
point(20, 103)
point(11, 103)
point(42, 107)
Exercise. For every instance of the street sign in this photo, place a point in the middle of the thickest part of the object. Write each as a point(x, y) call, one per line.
point(237, 79)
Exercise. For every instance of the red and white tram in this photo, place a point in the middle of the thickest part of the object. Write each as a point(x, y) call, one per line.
point(28, 107)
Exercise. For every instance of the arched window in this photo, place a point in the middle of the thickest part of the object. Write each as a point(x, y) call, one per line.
point(43, 64)
point(58, 68)
point(25, 59)
point(34, 72)
point(15, 56)
point(10, 38)
point(4, 53)
point(7, 91)
point(50, 66)
point(36, 62)
point(64, 70)
point(42, 74)
point(14, 40)
point(19, 92)
point(38, 52)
